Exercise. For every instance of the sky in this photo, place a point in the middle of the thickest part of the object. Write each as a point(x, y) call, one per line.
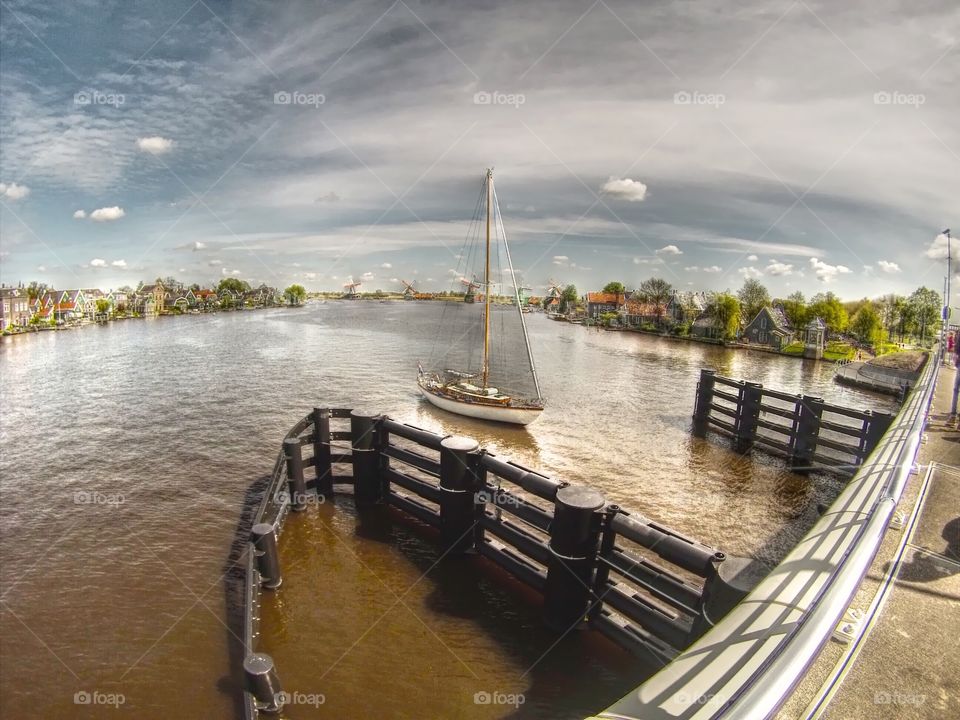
point(811, 145)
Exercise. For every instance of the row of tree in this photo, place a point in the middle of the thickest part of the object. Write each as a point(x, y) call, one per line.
point(870, 321)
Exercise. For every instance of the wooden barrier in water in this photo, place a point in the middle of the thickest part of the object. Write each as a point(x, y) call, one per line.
point(650, 589)
point(809, 432)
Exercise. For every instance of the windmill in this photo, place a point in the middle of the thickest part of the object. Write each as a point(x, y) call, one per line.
point(351, 289)
point(553, 289)
point(470, 287)
point(409, 292)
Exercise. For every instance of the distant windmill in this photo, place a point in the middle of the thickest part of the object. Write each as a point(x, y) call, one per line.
point(553, 289)
point(409, 292)
point(351, 289)
point(471, 286)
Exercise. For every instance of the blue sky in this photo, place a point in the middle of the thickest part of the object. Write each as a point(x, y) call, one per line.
point(810, 145)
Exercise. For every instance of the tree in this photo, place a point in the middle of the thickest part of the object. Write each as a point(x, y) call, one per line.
point(233, 285)
point(724, 309)
point(103, 307)
point(35, 289)
point(753, 298)
point(865, 324)
point(795, 308)
point(614, 287)
point(828, 308)
point(568, 298)
point(657, 292)
point(295, 294)
point(925, 306)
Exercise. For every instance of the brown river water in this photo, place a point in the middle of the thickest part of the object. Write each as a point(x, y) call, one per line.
point(127, 457)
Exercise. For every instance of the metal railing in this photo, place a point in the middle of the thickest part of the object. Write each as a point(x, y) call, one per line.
point(749, 663)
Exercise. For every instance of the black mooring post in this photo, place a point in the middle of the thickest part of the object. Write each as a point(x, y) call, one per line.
point(608, 538)
point(264, 539)
point(321, 452)
point(458, 487)
point(574, 536)
point(701, 411)
point(808, 429)
point(365, 441)
point(730, 582)
point(262, 682)
point(296, 485)
point(748, 412)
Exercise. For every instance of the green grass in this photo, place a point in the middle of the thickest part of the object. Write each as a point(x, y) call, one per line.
point(794, 348)
point(836, 350)
point(886, 348)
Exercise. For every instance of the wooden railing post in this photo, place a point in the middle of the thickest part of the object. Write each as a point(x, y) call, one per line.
point(877, 425)
point(321, 452)
point(574, 536)
point(458, 488)
point(365, 443)
point(296, 483)
point(608, 538)
point(748, 412)
point(701, 411)
point(808, 429)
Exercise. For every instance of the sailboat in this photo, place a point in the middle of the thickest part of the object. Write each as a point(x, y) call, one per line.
point(484, 368)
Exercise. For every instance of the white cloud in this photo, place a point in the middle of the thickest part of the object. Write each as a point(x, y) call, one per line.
point(79, 215)
point(119, 264)
point(214, 263)
point(367, 276)
point(106, 214)
point(561, 258)
point(712, 269)
point(778, 268)
point(691, 268)
point(938, 248)
point(752, 258)
point(386, 266)
point(625, 188)
point(888, 267)
point(41, 268)
point(199, 246)
point(669, 250)
point(14, 191)
point(750, 272)
point(98, 262)
point(155, 145)
point(826, 272)
point(224, 271)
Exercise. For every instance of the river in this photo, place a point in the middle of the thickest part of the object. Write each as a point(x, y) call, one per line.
point(128, 450)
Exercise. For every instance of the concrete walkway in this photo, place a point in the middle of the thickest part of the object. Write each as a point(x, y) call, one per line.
point(905, 661)
point(864, 375)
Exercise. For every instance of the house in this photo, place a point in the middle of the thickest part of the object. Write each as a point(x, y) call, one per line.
point(814, 339)
point(90, 297)
point(636, 312)
point(71, 306)
point(685, 306)
point(14, 307)
point(705, 327)
point(206, 299)
point(770, 327)
point(603, 302)
point(118, 300)
point(150, 299)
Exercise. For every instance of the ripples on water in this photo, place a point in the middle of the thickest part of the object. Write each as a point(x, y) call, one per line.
point(162, 425)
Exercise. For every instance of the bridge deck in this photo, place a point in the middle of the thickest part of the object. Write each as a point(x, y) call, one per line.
point(905, 663)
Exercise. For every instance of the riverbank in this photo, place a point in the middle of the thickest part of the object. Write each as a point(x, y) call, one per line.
point(891, 374)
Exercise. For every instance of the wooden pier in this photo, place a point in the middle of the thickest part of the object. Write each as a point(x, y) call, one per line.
point(809, 432)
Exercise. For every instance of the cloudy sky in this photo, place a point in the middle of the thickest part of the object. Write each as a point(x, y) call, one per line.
point(813, 145)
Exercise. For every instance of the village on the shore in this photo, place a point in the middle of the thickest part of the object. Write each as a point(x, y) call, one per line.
point(823, 327)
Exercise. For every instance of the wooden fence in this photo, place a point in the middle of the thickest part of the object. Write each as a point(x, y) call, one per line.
point(647, 587)
point(809, 432)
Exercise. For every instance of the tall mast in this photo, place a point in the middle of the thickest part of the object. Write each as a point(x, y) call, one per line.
point(486, 285)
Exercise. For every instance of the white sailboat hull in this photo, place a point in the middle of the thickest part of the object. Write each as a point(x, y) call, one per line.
point(515, 416)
